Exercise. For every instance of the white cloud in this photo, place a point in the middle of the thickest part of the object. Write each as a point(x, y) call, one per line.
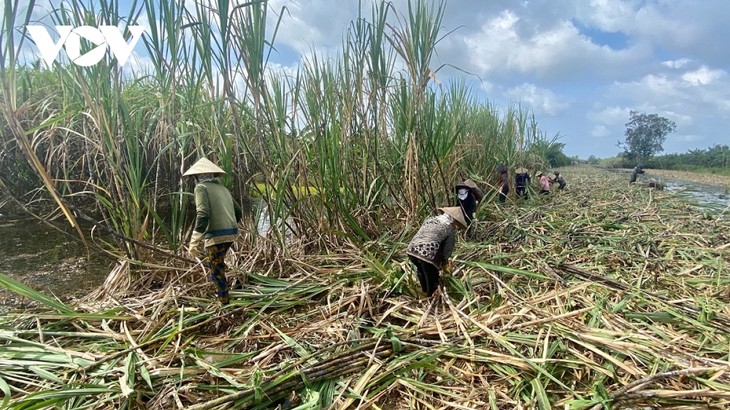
point(600, 131)
point(308, 24)
point(680, 63)
point(703, 76)
point(541, 100)
point(703, 92)
point(681, 119)
point(610, 115)
point(555, 51)
point(486, 86)
point(608, 15)
point(659, 84)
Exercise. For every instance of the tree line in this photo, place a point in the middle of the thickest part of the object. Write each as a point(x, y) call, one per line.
point(715, 157)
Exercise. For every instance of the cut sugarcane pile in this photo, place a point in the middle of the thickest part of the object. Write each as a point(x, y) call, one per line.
point(602, 295)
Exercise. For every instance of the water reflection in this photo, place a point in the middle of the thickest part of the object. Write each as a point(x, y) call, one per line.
point(264, 227)
point(709, 196)
point(47, 260)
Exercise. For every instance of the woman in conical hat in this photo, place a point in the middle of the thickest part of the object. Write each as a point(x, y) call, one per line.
point(544, 183)
point(431, 247)
point(468, 196)
point(522, 180)
point(216, 222)
point(203, 166)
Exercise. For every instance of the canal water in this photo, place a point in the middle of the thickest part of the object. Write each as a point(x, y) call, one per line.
point(47, 260)
point(711, 197)
point(706, 196)
point(55, 262)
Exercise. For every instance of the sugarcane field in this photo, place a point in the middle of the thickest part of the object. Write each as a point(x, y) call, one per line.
point(188, 220)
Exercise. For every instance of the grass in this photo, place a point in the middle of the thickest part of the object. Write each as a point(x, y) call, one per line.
point(589, 299)
point(604, 295)
point(366, 129)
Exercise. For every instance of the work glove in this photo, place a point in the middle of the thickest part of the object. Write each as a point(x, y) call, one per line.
point(194, 248)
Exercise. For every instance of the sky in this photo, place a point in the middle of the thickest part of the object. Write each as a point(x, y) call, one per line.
point(580, 66)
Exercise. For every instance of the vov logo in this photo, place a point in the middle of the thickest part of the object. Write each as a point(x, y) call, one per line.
point(70, 38)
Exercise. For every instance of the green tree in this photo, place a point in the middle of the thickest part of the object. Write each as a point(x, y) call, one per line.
point(593, 160)
point(645, 134)
point(552, 151)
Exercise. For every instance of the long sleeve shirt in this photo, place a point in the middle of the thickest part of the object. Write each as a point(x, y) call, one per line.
point(217, 215)
point(544, 183)
point(434, 242)
point(521, 180)
point(468, 196)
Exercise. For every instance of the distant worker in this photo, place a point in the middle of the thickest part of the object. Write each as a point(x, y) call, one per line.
point(502, 182)
point(635, 173)
point(522, 180)
point(468, 197)
point(544, 183)
point(558, 180)
point(216, 222)
point(431, 247)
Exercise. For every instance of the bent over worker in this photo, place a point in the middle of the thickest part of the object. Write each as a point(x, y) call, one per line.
point(635, 173)
point(522, 180)
point(431, 247)
point(558, 180)
point(216, 222)
point(544, 183)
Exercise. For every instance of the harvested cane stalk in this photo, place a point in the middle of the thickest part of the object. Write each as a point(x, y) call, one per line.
point(341, 365)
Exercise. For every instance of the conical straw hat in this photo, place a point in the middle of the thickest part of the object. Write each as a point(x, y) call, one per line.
point(467, 183)
point(521, 170)
point(456, 213)
point(203, 166)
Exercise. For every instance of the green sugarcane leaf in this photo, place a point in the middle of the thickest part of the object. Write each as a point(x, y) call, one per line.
point(5, 388)
point(540, 394)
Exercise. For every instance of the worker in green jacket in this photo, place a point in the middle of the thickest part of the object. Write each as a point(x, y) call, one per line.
point(216, 222)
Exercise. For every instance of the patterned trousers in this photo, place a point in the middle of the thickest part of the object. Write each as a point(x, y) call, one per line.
point(215, 262)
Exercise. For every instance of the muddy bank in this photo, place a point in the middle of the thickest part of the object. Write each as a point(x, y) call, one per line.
point(51, 261)
point(720, 181)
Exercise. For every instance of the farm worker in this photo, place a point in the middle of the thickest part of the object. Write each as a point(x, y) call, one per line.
point(558, 180)
point(431, 247)
point(635, 173)
point(216, 222)
point(468, 196)
point(522, 179)
point(544, 183)
point(502, 182)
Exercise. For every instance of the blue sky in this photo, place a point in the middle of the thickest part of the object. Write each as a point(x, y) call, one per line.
point(580, 65)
